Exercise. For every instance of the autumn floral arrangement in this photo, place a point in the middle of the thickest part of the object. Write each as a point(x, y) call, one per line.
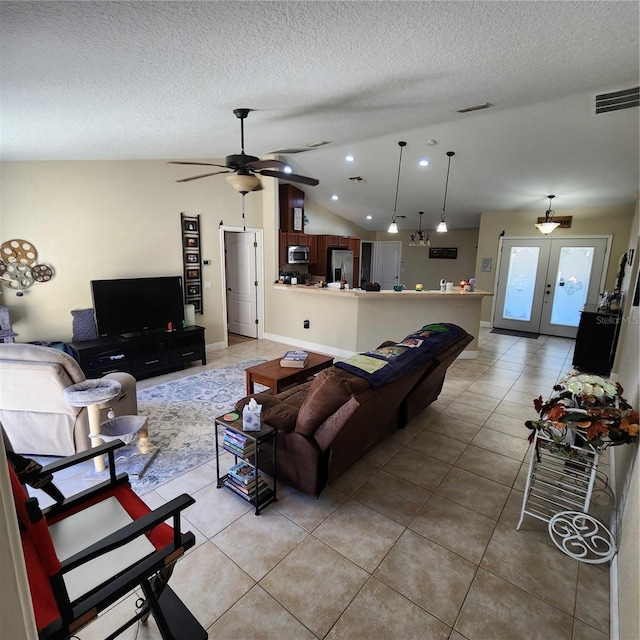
point(586, 409)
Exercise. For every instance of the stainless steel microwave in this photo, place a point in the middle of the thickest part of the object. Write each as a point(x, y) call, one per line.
point(297, 255)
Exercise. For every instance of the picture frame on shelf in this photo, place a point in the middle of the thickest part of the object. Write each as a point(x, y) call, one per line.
point(190, 225)
point(191, 242)
point(192, 274)
point(193, 289)
point(197, 304)
point(192, 258)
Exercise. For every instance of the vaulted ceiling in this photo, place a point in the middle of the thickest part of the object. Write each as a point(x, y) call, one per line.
point(160, 80)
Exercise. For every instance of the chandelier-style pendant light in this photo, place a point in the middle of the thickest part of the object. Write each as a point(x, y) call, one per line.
point(420, 238)
point(393, 227)
point(548, 225)
point(442, 227)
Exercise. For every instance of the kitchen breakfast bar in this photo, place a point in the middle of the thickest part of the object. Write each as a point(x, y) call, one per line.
point(347, 321)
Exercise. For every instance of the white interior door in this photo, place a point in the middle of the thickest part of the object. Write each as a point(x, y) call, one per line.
point(544, 283)
point(388, 256)
point(242, 282)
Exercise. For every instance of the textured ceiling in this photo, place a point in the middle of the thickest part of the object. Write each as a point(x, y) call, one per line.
point(159, 80)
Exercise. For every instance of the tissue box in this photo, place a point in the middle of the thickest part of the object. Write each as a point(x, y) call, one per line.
point(251, 418)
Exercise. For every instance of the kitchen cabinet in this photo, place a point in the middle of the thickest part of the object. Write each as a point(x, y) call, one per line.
point(291, 209)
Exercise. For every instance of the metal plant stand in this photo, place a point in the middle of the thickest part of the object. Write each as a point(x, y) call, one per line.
point(559, 487)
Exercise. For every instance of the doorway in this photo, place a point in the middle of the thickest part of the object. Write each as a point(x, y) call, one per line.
point(242, 257)
point(388, 255)
point(543, 283)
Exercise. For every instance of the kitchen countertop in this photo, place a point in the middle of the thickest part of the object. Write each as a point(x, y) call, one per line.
point(406, 293)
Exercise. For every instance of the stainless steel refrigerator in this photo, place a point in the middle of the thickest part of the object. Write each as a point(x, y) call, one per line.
point(340, 265)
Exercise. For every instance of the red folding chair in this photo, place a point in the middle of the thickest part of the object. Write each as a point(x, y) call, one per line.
point(89, 550)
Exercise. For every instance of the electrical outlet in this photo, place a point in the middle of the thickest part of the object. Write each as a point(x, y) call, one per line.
point(207, 284)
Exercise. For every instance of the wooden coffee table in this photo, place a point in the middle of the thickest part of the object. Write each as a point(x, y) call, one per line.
point(272, 375)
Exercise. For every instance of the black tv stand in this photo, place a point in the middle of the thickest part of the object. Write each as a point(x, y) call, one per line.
point(142, 355)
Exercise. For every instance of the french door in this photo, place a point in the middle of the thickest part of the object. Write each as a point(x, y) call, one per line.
point(544, 283)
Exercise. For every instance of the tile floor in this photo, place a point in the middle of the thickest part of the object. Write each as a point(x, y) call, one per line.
point(416, 540)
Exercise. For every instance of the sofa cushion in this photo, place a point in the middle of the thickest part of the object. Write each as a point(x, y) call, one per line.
point(276, 413)
point(330, 389)
point(330, 428)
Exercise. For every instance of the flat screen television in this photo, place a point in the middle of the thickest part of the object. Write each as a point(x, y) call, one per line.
point(132, 306)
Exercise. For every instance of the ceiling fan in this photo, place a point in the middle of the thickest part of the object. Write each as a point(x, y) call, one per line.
point(244, 167)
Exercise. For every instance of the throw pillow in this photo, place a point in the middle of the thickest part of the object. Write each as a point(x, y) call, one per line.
point(329, 390)
point(84, 325)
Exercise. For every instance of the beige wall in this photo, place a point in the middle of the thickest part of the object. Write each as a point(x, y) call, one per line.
point(93, 220)
point(418, 267)
point(323, 221)
point(613, 220)
point(626, 458)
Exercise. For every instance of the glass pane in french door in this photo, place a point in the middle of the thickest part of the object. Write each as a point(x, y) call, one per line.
point(572, 284)
point(520, 284)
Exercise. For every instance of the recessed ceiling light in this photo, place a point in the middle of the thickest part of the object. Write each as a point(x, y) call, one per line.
point(349, 158)
point(424, 163)
point(432, 142)
point(334, 197)
point(369, 217)
point(287, 169)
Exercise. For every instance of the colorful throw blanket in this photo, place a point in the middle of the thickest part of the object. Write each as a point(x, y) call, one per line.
point(386, 364)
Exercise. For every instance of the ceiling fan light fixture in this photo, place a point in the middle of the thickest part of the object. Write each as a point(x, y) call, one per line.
point(548, 225)
point(393, 227)
point(243, 183)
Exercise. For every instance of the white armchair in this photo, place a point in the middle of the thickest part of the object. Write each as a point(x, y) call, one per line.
point(33, 410)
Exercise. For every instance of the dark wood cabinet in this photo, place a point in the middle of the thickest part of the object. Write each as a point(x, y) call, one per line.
point(142, 356)
point(291, 209)
point(596, 341)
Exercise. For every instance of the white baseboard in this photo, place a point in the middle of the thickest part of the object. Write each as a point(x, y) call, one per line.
point(311, 346)
point(216, 346)
point(486, 323)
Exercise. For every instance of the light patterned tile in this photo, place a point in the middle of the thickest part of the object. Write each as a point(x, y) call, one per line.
point(474, 415)
point(478, 401)
point(380, 613)
point(489, 613)
point(375, 533)
point(429, 575)
point(392, 496)
point(438, 446)
point(260, 617)
point(489, 464)
point(536, 567)
point(592, 602)
point(457, 429)
point(307, 511)
point(502, 443)
point(257, 543)
point(418, 468)
point(474, 492)
point(325, 583)
point(454, 527)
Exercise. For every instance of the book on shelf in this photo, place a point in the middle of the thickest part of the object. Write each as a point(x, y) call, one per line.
point(242, 492)
point(295, 359)
point(238, 444)
point(247, 490)
point(243, 472)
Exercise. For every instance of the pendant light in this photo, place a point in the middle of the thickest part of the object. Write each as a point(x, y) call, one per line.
point(420, 238)
point(393, 227)
point(548, 225)
point(442, 227)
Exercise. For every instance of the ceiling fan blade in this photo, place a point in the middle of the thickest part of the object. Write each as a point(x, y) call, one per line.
point(204, 175)
point(277, 165)
point(200, 164)
point(291, 177)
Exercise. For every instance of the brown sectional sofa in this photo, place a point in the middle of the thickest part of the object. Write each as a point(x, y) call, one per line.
point(324, 425)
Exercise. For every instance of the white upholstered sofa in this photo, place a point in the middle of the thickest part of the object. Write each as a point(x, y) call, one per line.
point(33, 410)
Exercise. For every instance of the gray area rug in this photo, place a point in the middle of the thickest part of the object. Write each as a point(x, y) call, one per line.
point(181, 422)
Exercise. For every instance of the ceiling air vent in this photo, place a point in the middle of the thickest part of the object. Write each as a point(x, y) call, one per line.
point(618, 100)
point(475, 107)
point(357, 180)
